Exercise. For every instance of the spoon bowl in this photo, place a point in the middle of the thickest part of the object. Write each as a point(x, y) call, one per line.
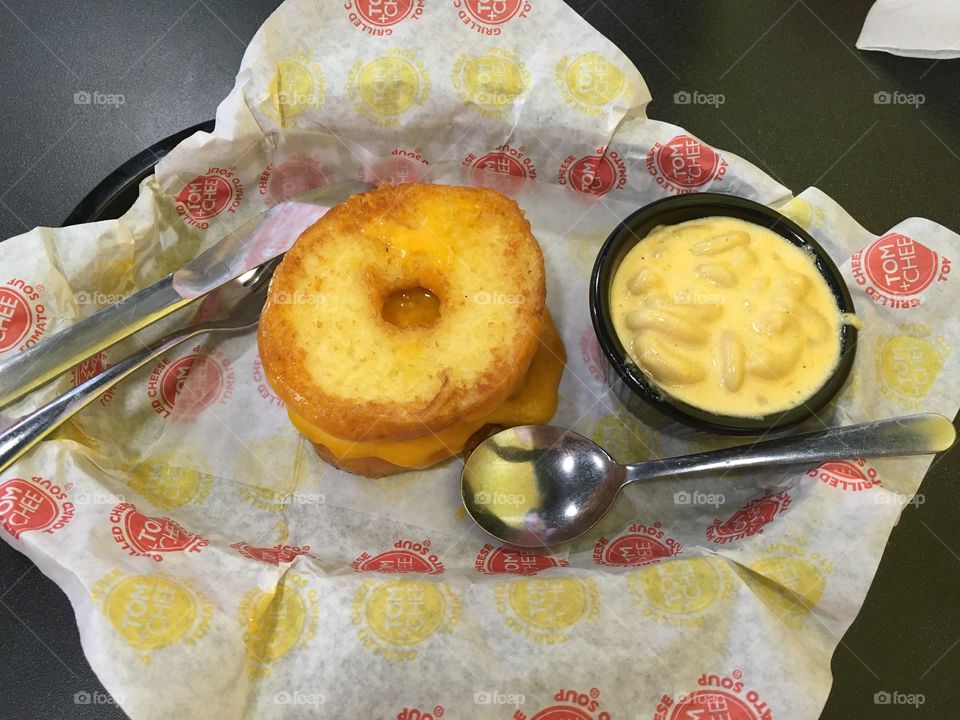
point(542, 485)
point(537, 485)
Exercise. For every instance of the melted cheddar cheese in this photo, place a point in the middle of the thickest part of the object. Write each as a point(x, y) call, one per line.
point(534, 401)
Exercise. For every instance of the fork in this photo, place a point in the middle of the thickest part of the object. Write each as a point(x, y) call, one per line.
point(234, 308)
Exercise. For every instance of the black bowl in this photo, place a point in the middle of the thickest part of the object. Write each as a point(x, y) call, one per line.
point(641, 396)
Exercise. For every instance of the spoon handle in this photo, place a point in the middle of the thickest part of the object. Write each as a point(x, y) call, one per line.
point(910, 435)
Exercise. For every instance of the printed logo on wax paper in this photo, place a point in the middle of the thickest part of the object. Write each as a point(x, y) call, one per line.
point(264, 498)
point(182, 388)
point(376, 17)
point(582, 249)
point(91, 367)
point(512, 561)
point(791, 580)
point(395, 617)
point(151, 612)
point(278, 621)
point(750, 519)
point(491, 83)
point(263, 387)
point(403, 166)
point(804, 213)
point(641, 545)
point(546, 610)
point(34, 503)
point(591, 83)
point(570, 705)
point(297, 87)
point(720, 697)
point(504, 169)
point(626, 438)
point(206, 196)
point(387, 87)
point(595, 174)
point(23, 317)
point(291, 178)
point(680, 592)
point(276, 555)
point(142, 535)
point(683, 165)
point(167, 484)
point(895, 270)
point(590, 353)
point(437, 711)
point(405, 557)
point(851, 475)
point(909, 362)
point(489, 16)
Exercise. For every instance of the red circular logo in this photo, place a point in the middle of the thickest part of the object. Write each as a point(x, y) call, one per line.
point(15, 318)
point(900, 265)
point(293, 178)
point(687, 162)
point(205, 196)
point(635, 550)
point(397, 561)
point(502, 163)
point(590, 353)
point(562, 712)
point(397, 171)
point(86, 369)
point(25, 506)
point(205, 383)
point(508, 172)
point(702, 704)
point(508, 561)
point(384, 12)
point(493, 12)
point(843, 471)
point(593, 175)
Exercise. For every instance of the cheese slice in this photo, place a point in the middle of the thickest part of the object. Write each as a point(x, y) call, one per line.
point(534, 401)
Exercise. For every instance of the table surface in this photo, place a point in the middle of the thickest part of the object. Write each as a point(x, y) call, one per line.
point(799, 103)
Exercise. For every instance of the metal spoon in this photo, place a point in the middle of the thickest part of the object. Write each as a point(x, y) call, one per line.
point(231, 308)
point(540, 485)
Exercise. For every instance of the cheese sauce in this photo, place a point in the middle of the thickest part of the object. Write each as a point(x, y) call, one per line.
point(727, 316)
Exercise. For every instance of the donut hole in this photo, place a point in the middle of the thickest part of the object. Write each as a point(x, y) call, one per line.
point(411, 307)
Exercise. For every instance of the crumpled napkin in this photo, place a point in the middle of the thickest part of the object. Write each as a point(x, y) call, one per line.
point(913, 28)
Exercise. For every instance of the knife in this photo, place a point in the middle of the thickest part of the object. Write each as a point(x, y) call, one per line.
point(253, 243)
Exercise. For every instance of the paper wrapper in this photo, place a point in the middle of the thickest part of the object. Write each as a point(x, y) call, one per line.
point(218, 568)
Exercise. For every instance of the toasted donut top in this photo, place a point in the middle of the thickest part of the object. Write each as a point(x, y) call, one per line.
point(331, 356)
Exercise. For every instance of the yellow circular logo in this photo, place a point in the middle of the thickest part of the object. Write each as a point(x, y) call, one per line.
point(908, 363)
point(800, 211)
point(152, 611)
point(794, 587)
point(169, 485)
point(583, 251)
point(626, 438)
point(679, 587)
point(385, 88)
point(275, 621)
point(263, 498)
point(491, 83)
point(590, 82)
point(296, 87)
point(544, 610)
point(395, 615)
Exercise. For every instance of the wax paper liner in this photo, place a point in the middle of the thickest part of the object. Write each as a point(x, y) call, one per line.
point(219, 569)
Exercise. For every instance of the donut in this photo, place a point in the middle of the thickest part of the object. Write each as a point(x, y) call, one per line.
point(401, 323)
